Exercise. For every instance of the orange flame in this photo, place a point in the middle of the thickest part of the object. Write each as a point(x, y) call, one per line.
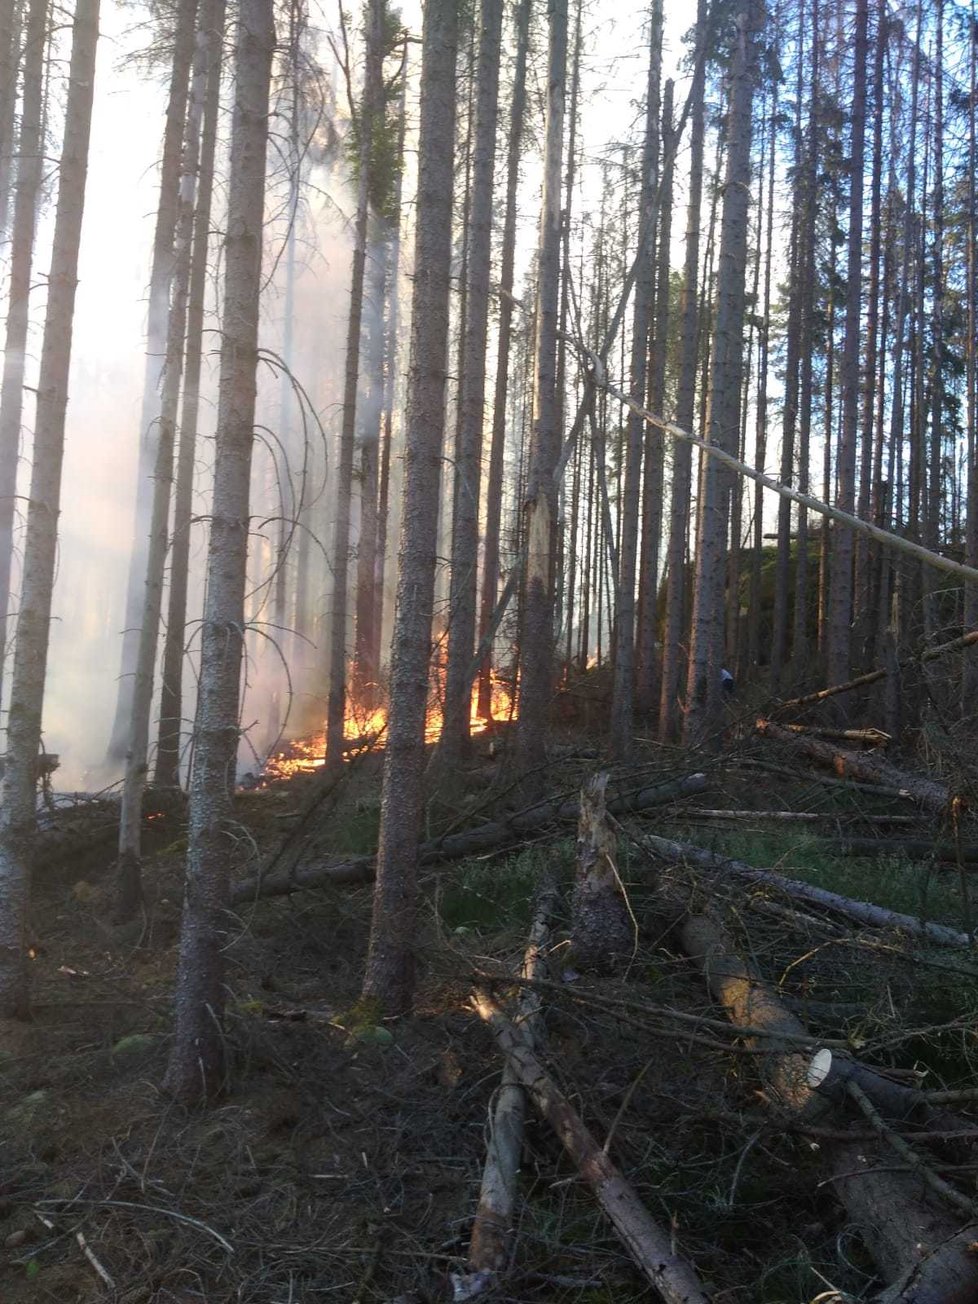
point(363, 727)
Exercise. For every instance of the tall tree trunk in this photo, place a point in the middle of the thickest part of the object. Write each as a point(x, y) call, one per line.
point(130, 821)
point(497, 447)
point(970, 677)
point(468, 450)
point(160, 278)
point(30, 168)
point(195, 1067)
point(389, 978)
point(18, 803)
point(647, 690)
point(340, 552)
point(782, 559)
point(672, 667)
point(726, 369)
point(167, 772)
point(540, 508)
point(838, 652)
point(11, 12)
point(623, 690)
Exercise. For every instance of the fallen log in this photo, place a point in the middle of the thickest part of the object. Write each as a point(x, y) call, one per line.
point(491, 836)
point(793, 816)
point(862, 912)
point(649, 1245)
point(868, 737)
point(492, 1228)
point(868, 767)
point(919, 1251)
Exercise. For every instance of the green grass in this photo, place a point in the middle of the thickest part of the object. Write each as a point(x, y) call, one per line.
point(490, 896)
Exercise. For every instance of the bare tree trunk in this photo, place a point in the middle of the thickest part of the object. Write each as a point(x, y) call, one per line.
point(167, 772)
point(494, 483)
point(969, 681)
point(648, 689)
point(623, 690)
point(161, 273)
point(340, 553)
point(468, 450)
point(195, 1067)
point(130, 821)
point(18, 822)
point(726, 368)
point(838, 651)
point(389, 978)
point(30, 168)
point(10, 55)
point(669, 709)
point(540, 508)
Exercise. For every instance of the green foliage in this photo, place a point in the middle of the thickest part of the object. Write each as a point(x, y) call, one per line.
point(385, 162)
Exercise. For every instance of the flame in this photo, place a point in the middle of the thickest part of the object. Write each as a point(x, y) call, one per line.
point(366, 726)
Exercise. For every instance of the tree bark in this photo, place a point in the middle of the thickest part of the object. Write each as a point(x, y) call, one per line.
point(623, 684)
point(468, 449)
point(30, 167)
point(726, 369)
point(602, 929)
point(389, 978)
point(18, 823)
point(540, 505)
point(195, 1067)
point(129, 884)
point(167, 774)
point(839, 651)
point(340, 552)
point(672, 667)
point(161, 273)
point(494, 481)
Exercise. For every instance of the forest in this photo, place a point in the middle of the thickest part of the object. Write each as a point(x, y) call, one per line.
point(488, 651)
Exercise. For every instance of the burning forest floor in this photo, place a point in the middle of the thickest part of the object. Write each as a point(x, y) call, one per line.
point(344, 1160)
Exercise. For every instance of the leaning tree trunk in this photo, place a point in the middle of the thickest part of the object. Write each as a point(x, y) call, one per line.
point(129, 885)
point(161, 273)
point(18, 822)
point(726, 368)
point(540, 508)
point(196, 1059)
point(468, 449)
point(389, 978)
point(30, 169)
point(167, 774)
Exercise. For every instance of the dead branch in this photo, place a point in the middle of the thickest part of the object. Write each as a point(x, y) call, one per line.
point(649, 1245)
point(603, 928)
point(874, 676)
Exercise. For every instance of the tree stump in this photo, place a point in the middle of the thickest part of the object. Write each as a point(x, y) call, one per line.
point(602, 930)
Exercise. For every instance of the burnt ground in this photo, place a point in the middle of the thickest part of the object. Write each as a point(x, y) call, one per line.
point(343, 1161)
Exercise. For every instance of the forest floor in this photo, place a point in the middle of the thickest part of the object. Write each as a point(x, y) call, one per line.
point(343, 1162)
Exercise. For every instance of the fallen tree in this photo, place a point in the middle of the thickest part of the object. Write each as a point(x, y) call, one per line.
point(492, 1228)
point(866, 766)
point(491, 836)
point(920, 1252)
point(650, 1246)
point(862, 912)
